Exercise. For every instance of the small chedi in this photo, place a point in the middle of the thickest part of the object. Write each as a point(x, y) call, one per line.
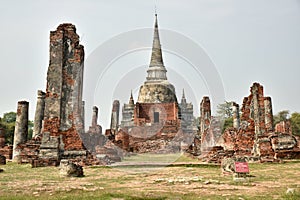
point(252, 135)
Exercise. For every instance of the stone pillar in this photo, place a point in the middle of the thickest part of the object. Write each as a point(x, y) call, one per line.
point(2, 138)
point(63, 101)
point(258, 109)
point(39, 113)
point(21, 127)
point(236, 115)
point(83, 114)
point(95, 129)
point(205, 114)
point(114, 123)
point(95, 116)
point(268, 114)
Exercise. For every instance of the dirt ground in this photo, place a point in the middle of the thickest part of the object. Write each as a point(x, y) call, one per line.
point(191, 181)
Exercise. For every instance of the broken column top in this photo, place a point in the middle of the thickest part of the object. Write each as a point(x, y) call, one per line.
point(41, 94)
point(235, 104)
point(116, 105)
point(258, 87)
point(205, 99)
point(23, 103)
point(66, 26)
point(66, 30)
point(95, 109)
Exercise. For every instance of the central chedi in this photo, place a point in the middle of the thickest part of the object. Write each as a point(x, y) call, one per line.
point(154, 121)
point(157, 89)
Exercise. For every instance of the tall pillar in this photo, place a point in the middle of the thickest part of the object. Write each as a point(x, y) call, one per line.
point(205, 114)
point(258, 109)
point(39, 113)
point(236, 115)
point(95, 116)
point(268, 114)
point(83, 115)
point(114, 123)
point(21, 127)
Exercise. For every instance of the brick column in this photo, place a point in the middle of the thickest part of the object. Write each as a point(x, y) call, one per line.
point(21, 127)
point(95, 116)
point(236, 115)
point(39, 113)
point(205, 114)
point(268, 114)
point(114, 123)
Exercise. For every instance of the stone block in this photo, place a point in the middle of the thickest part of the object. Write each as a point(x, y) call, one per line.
point(70, 169)
point(2, 160)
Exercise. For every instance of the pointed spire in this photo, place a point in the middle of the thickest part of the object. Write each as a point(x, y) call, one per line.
point(131, 101)
point(183, 95)
point(156, 57)
point(157, 70)
point(183, 100)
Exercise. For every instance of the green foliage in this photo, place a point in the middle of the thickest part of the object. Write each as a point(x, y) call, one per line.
point(8, 122)
point(9, 117)
point(228, 122)
point(30, 129)
point(196, 122)
point(294, 119)
point(281, 116)
point(295, 123)
point(224, 110)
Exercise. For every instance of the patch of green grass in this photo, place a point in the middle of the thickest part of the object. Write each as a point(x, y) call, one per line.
point(148, 157)
point(187, 159)
point(270, 181)
point(294, 196)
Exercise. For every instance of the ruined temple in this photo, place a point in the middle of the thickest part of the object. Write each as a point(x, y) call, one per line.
point(252, 134)
point(59, 116)
point(152, 122)
point(59, 131)
point(156, 122)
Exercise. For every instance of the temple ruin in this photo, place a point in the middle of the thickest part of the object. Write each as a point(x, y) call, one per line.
point(156, 122)
point(251, 136)
point(59, 118)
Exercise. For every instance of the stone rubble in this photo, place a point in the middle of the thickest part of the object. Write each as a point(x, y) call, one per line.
point(70, 169)
point(2, 160)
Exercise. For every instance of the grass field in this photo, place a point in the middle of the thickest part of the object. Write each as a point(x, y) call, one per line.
point(268, 181)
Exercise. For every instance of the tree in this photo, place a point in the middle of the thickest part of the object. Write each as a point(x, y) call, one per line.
point(281, 116)
point(228, 122)
point(8, 122)
point(295, 123)
point(9, 117)
point(224, 110)
point(30, 129)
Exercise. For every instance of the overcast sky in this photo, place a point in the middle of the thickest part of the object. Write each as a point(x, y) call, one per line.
point(246, 40)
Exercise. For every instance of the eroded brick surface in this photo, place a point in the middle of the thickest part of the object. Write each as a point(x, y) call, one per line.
point(59, 114)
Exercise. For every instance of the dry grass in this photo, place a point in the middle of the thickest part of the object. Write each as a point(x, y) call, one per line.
point(270, 181)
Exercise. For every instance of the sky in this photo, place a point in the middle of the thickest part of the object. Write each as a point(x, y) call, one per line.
point(238, 42)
